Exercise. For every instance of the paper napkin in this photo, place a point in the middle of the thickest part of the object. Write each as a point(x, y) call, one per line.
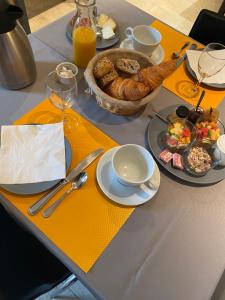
point(193, 56)
point(32, 153)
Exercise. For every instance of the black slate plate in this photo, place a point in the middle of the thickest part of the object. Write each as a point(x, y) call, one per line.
point(155, 131)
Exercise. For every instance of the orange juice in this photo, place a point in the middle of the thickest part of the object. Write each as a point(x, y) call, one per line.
point(84, 45)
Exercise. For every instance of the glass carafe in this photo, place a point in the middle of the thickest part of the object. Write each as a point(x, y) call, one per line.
point(84, 32)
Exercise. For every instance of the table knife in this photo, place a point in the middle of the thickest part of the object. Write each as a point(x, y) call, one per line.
point(161, 117)
point(184, 56)
point(37, 206)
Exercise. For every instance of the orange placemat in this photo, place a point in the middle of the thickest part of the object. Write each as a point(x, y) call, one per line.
point(172, 40)
point(86, 222)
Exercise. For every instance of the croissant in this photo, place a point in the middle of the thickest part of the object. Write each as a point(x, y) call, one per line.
point(153, 76)
point(127, 89)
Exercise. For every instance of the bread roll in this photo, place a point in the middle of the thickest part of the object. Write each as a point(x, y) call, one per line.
point(129, 66)
point(107, 78)
point(102, 67)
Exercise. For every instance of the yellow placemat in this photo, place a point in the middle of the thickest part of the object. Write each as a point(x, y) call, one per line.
point(86, 221)
point(172, 40)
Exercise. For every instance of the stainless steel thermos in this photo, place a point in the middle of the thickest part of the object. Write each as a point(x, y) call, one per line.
point(17, 66)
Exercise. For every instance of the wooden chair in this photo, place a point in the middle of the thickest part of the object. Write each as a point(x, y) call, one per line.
point(209, 27)
point(221, 10)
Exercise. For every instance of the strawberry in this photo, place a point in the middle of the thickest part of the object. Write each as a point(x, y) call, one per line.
point(186, 132)
point(205, 132)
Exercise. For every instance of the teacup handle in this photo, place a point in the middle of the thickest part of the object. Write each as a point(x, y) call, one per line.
point(148, 185)
point(129, 32)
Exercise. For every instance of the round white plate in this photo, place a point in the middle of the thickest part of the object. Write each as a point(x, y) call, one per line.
point(157, 56)
point(125, 195)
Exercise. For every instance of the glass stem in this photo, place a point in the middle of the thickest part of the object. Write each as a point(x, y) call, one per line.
point(197, 84)
point(63, 115)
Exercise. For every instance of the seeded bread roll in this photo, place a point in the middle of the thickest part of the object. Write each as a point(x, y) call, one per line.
point(109, 77)
point(102, 67)
point(129, 66)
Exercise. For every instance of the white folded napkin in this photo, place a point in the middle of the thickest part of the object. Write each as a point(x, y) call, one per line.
point(32, 153)
point(193, 56)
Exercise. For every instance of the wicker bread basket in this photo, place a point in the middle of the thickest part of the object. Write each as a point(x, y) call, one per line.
point(116, 106)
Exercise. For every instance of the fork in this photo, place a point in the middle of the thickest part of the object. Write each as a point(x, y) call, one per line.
point(177, 54)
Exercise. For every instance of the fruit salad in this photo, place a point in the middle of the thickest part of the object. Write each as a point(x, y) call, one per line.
point(179, 135)
point(208, 131)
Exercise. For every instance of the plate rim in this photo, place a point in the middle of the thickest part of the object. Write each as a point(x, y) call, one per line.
point(220, 86)
point(159, 46)
point(105, 192)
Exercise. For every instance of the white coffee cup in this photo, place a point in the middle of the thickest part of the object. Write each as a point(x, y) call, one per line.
point(219, 151)
point(133, 165)
point(144, 38)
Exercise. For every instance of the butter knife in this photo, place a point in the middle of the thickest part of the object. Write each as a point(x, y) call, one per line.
point(37, 206)
point(184, 56)
point(161, 117)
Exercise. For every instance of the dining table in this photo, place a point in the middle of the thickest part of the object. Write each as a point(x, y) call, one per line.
point(172, 247)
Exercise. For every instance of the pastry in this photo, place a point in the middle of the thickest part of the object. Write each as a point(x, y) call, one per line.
point(105, 21)
point(127, 89)
point(102, 67)
point(107, 78)
point(110, 23)
point(102, 19)
point(129, 66)
point(153, 76)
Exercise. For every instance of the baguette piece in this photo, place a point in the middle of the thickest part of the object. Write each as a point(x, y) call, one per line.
point(127, 89)
point(107, 78)
point(130, 66)
point(153, 76)
point(102, 67)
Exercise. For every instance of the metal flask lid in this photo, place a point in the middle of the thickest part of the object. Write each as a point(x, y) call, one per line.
point(8, 16)
point(4, 4)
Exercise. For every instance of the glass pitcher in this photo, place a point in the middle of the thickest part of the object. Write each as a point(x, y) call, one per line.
point(84, 32)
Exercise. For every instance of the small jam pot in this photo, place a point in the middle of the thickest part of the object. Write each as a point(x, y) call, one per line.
point(181, 112)
point(195, 114)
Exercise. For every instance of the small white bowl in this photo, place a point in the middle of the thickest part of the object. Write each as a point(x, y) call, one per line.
point(133, 165)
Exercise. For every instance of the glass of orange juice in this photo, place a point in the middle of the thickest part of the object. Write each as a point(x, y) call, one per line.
point(84, 33)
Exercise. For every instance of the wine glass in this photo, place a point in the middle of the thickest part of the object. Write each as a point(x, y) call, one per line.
point(62, 91)
point(211, 61)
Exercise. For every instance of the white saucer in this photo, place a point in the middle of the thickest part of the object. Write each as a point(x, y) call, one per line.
point(125, 195)
point(157, 56)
